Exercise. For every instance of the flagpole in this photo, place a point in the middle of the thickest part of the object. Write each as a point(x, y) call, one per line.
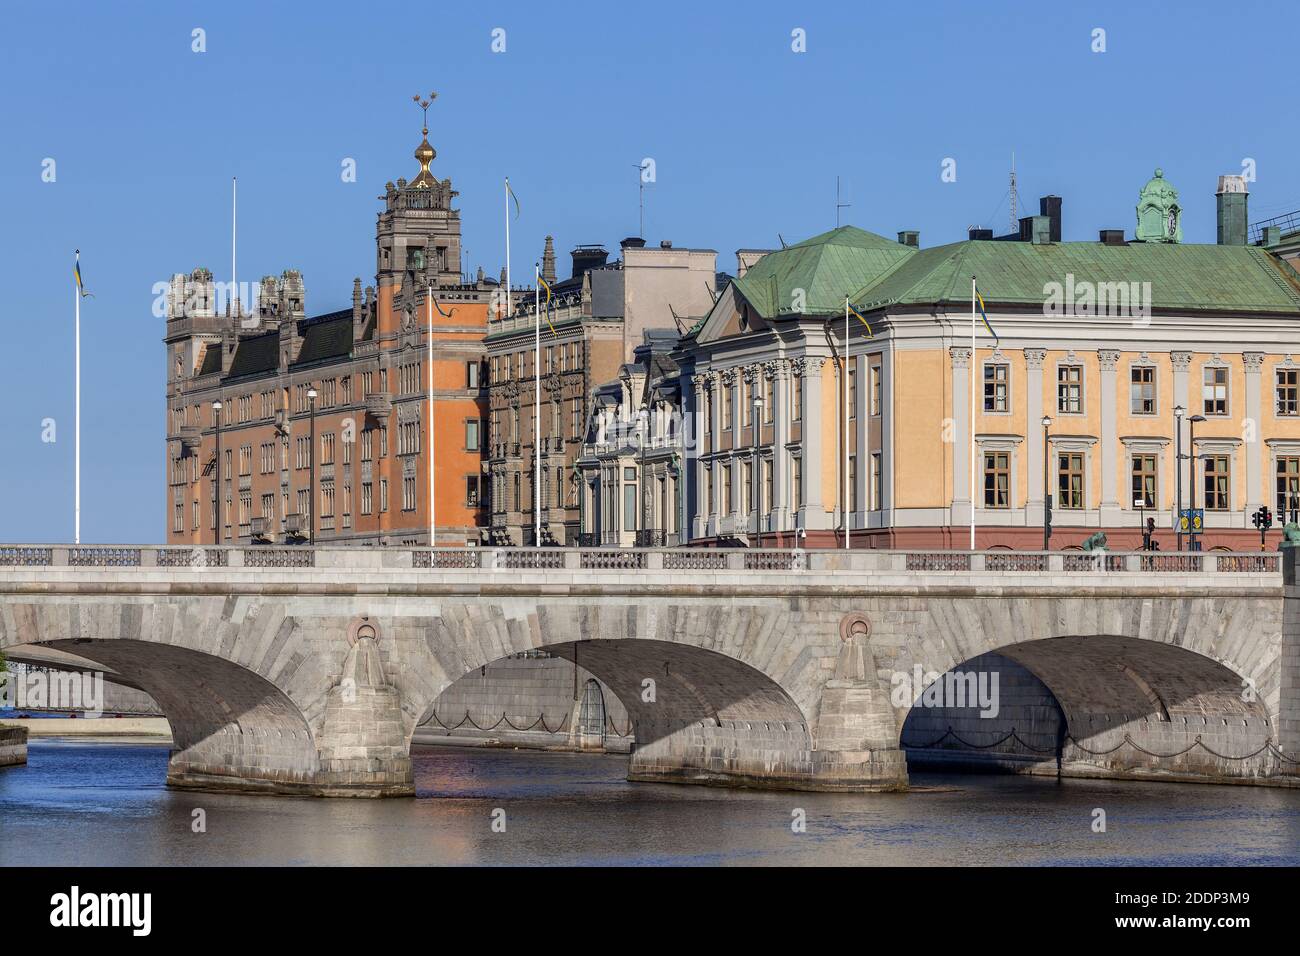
point(845, 455)
point(76, 506)
point(973, 367)
point(234, 284)
point(433, 497)
point(537, 407)
point(509, 310)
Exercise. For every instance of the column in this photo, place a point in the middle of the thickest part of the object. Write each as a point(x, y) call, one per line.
point(1181, 362)
point(694, 460)
point(815, 516)
point(959, 513)
point(887, 435)
point(858, 517)
point(778, 375)
point(1252, 448)
point(1110, 503)
point(1034, 437)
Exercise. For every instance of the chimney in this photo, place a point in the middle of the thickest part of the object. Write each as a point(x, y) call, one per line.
point(632, 242)
point(665, 243)
point(1112, 237)
point(1040, 229)
point(358, 316)
point(586, 258)
point(1050, 206)
point(1231, 201)
point(1270, 236)
point(909, 237)
point(975, 232)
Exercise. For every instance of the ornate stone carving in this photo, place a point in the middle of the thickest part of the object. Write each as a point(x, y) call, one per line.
point(797, 366)
point(1108, 358)
point(728, 377)
point(960, 357)
point(1254, 360)
point(1034, 358)
point(1182, 361)
point(751, 374)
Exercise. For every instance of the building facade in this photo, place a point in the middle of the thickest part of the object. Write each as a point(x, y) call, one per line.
point(595, 321)
point(1110, 357)
point(319, 428)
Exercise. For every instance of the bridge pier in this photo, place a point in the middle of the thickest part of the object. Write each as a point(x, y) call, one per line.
point(1288, 717)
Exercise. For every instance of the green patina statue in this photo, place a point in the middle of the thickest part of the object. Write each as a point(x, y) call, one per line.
point(1095, 542)
point(1290, 536)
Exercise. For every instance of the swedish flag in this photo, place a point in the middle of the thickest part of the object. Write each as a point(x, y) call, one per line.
point(76, 274)
point(979, 299)
point(870, 333)
point(512, 195)
point(547, 305)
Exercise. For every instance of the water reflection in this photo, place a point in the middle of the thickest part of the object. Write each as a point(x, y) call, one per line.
point(103, 803)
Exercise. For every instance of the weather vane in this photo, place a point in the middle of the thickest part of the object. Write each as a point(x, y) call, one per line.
point(424, 107)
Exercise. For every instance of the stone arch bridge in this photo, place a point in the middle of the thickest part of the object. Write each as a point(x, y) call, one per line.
point(296, 670)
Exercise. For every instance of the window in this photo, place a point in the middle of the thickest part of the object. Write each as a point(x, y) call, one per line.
point(471, 491)
point(408, 493)
point(471, 374)
point(1216, 483)
point(245, 459)
point(1288, 487)
point(575, 421)
point(327, 448)
point(367, 497)
point(1142, 390)
point(875, 389)
point(1069, 480)
point(471, 434)
point(853, 483)
point(367, 445)
point(796, 398)
point(728, 503)
point(997, 479)
point(1069, 390)
point(796, 482)
point(1215, 390)
point(1288, 392)
point(1142, 486)
point(995, 387)
point(746, 485)
point(853, 393)
point(766, 465)
point(383, 494)
point(629, 499)
point(726, 407)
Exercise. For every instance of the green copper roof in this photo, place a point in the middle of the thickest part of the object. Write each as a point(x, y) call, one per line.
point(1182, 277)
point(827, 267)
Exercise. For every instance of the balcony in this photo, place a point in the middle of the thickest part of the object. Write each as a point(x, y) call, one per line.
point(379, 405)
point(190, 440)
point(295, 524)
point(259, 527)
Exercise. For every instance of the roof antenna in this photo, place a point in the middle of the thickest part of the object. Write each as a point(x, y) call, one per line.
point(783, 245)
point(681, 329)
point(1015, 223)
point(838, 203)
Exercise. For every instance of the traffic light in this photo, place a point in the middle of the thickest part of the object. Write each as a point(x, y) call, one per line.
point(1262, 519)
point(1047, 521)
point(1148, 539)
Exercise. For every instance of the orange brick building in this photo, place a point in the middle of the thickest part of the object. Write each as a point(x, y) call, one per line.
point(357, 471)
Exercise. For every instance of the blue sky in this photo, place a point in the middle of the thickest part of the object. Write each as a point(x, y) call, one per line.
point(747, 138)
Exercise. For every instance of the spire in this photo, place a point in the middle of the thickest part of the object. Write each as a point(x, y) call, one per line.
point(548, 260)
point(424, 153)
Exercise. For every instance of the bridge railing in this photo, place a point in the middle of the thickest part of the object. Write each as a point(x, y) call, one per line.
point(638, 559)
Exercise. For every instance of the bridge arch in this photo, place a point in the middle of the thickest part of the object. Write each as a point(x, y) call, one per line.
point(1105, 705)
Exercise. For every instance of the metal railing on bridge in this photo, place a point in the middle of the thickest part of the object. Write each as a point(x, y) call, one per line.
point(639, 559)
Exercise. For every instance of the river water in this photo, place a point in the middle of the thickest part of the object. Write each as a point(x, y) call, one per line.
point(82, 802)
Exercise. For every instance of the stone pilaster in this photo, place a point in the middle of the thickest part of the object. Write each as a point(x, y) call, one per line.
point(1181, 362)
point(778, 377)
point(1034, 436)
point(1288, 720)
point(815, 516)
point(960, 513)
point(1111, 514)
point(1253, 447)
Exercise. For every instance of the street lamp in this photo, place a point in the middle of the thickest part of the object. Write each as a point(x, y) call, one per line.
point(755, 478)
point(311, 467)
point(1179, 412)
point(216, 485)
point(1194, 544)
point(1047, 495)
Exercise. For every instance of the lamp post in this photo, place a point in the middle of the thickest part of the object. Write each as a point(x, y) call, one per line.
point(1047, 494)
point(755, 477)
point(311, 467)
point(1194, 544)
point(1179, 412)
point(216, 484)
point(643, 417)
